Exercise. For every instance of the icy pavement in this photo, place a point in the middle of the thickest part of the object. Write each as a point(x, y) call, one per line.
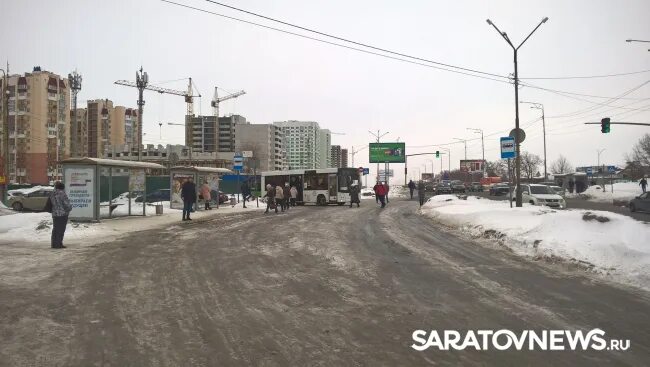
point(604, 242)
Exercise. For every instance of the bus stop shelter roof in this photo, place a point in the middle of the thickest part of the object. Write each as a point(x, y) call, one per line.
point(110, 163)
point(201, 169)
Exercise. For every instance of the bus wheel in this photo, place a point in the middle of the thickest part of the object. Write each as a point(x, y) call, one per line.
point(320, 200)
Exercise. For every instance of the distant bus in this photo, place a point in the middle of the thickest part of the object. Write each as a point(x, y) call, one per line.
point(316, 186)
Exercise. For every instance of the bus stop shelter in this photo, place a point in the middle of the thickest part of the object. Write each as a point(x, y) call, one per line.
point(83, 184)
point(201, 175)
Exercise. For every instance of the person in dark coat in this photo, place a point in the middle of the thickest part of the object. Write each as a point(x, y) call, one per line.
point(270, 199)
point(421, 192)
point(411, 188)
point(643, 183)
point(188, 194)
point(286, 194)
point(245, 191)
point(60, 208)
point(354, 195)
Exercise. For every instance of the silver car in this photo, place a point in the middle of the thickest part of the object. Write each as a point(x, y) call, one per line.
point(32, 200)
point(641, 203)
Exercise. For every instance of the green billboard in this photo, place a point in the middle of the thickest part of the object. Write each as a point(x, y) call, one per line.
point(387, 152)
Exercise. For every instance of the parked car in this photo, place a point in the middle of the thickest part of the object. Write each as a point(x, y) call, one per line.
point(156, 196)
point(366, 192)
point(558, 190)
point(499, 189)
point(476, 187)
point(30, 199)
point(641, 203)
point(458, 186)
point(222, 197)
point(541, 195)
point(443, 188)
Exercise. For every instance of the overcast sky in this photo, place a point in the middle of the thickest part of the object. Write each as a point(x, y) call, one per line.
point(349, 92)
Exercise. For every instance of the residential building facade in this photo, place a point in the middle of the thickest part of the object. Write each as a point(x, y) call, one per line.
point(170, 156)
point(209, 134)
point(38, 126)
point(344, 158)
point(307, 145)
point(266, 142)
point(335, 155)
point(101, 125)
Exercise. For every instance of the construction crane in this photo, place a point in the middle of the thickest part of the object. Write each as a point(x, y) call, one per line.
point(333, 133)
point(216, 100)
point(142, 83)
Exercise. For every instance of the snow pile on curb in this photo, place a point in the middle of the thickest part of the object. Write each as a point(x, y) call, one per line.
point(603, 241)
point(623, 192)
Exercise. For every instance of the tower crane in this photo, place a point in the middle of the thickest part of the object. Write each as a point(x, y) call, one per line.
point(216, 100)
point(142, 83)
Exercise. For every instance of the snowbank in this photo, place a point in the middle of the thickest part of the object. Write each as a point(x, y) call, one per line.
point(603, 241)
point(623, 192)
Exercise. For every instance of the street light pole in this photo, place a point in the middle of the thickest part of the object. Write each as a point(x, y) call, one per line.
point(540, 106)
point(482, 145)
point(464, 141)
point(378, 136)
point(599, 152)
point(4, 103)
point(517, 142)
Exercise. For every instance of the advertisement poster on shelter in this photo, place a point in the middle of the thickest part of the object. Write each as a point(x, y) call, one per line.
point(80, 187)
point(136, 180)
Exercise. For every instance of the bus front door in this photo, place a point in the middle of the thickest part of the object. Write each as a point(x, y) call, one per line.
point(333, 187)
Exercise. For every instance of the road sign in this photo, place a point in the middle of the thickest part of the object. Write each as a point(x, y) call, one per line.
point(247, 154)
point(238, 162)
point(508, 147)
point(382, 172)
point(366, 171)
point(589, 171)
point(611, 169)
point(519, 134)
point(387, 152)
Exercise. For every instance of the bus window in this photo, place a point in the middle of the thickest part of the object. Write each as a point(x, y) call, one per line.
point(347, 176)
point(315, 181)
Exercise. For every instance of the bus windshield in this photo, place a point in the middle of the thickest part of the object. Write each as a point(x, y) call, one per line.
point(347, 176)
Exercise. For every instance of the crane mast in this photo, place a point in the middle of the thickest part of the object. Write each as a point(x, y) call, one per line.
point(216, 100)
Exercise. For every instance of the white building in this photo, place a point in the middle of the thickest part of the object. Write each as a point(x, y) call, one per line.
point(265, 142)
point(307, 145)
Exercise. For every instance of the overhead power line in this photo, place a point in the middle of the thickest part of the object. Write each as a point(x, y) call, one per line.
point(586, 77)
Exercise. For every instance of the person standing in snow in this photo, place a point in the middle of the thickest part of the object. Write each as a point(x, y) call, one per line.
point(571, 185)
point(205, 193)
point(59, 205)
point(421, 192)
point(270, 199)
point(245, 191)
point(279, 197)
point(286, 194)
point(188, 194)
point(354, 195)
point(386, 188)
point(294, 195)
point(411, 188)
point(643, 183)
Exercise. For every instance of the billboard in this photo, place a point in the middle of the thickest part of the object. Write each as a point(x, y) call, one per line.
point(472, 165)
point(387, 152)
point(80, 188)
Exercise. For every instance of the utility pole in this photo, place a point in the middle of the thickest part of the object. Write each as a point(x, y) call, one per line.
point(517, 142)
point(4, 103)
point(539, 106)
point(142, 79)
point(354, 152)
point(75, 86)
point(464, 141)
point(483, 146)
point(378, 136)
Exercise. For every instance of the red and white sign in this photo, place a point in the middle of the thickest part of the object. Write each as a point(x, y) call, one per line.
point(472, 165)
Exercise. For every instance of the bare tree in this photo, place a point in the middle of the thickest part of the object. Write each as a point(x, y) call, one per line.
point(561, 165)
point(498, 168)
point(641, 151)
point(530, 164)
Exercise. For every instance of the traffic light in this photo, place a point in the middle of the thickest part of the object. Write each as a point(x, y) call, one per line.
point(437, 154)
point(604, 125)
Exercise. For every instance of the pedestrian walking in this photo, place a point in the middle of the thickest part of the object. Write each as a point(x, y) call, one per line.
point(571, 185)
point(386, 191)
point(205, 194)
point(286, 194)
point(354, 195)
point(294, 195)
point(59, 205)
point(380, 192)
point(421, 192)
point(270, 199)
point(188, 194)
point(246, 192)
point(411, 188)
point(643, 183)
point(279, 197)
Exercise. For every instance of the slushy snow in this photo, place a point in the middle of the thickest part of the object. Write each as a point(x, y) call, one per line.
point(606, 242)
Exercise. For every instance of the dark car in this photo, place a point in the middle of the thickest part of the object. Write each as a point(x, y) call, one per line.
point(641, 203)
point(476, 187)
point(156, 196)
point(443, 188)
point(458, 186)
point(499, 189)
point(222, 197)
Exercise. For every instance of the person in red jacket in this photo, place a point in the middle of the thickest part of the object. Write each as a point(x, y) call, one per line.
point(380, 192)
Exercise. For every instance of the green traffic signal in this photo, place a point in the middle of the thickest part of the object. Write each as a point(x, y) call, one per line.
point(605, 125)
point(437, 154)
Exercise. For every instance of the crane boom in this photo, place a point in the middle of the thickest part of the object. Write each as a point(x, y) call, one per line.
point(156, 89)
point(216, 100)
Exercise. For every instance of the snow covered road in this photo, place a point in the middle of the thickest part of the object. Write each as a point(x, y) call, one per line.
point(328, 286)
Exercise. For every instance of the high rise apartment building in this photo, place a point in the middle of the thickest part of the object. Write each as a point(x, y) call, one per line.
point(344, 158)
point(335, 156)
point(306, 144)
point(101, 125)
point(266, 142)
point(38, 126)
point(209, 134)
